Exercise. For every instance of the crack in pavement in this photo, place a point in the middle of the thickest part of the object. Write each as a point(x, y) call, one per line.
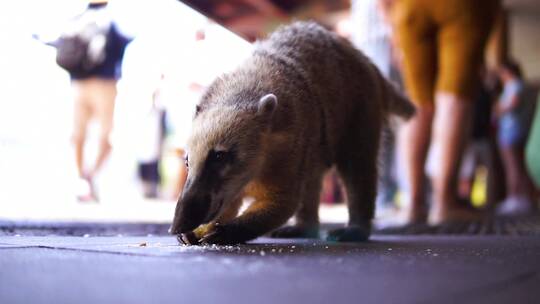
point(88, 250)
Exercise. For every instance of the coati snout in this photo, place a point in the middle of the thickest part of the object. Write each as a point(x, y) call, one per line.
point(191, 210)
point(217, 161)
point(202, 200)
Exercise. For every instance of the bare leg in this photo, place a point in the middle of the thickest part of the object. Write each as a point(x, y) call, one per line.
point(414, 140)
point(81, 117)
point(511, 169)
point(79, 155)
point(82, 114)
point(104, 102)
point(451, 128)
point(84, 188)
point(103, 153)
point(520, 189)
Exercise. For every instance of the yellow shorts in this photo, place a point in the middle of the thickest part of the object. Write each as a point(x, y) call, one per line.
point(443, 44)
point(94, 98)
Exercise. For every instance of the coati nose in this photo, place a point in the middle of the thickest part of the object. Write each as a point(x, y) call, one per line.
point(191, 210)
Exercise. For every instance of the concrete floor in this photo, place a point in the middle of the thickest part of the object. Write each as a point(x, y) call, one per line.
point(155, 269)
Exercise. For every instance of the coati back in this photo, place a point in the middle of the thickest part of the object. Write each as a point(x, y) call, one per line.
point(305, 100)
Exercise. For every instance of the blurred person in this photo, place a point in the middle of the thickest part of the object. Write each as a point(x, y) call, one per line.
point(371, 33)
point(481, 151)
point(511, 114)
point(202, 56)
point(151, 138)
point(331, 188)
point(443, 44)
point(194, 91)
point(91, 51)
point(181, 106)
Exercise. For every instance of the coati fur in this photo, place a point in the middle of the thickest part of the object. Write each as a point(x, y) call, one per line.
point(304, 101)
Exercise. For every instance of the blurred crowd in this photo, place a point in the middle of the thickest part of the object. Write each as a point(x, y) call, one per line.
point(473, 147)
point(462, 157)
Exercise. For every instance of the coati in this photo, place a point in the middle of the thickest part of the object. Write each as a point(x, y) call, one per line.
point(304, 101)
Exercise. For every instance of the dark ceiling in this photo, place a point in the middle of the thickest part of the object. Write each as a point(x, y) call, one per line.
point(252, 19)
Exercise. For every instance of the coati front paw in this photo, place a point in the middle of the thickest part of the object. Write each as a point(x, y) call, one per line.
point(194, 237)
point(351, 233)
point(223, 235)
point(188, 238)
point(296, 232)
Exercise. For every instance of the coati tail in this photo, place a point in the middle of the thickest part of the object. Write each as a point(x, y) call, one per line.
point(399, 104)
point(394, 101)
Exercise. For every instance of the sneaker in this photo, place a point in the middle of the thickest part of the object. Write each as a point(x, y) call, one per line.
point(515, 205)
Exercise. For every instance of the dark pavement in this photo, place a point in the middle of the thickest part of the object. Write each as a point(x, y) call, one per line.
point(155, 269)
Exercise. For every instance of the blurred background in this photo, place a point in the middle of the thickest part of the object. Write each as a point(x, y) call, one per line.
point(176, 49)
point(37, 166)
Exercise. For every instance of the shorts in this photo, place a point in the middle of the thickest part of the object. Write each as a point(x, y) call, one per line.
point(94, 99)
point(511, 132)
point(443, 44)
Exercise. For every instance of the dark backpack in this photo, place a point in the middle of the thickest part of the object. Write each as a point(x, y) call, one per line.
point(83, 47)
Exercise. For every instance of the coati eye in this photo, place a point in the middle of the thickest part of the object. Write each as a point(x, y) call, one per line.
point(218, 156)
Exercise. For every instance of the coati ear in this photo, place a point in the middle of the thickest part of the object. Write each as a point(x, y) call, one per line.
point(267, 105)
